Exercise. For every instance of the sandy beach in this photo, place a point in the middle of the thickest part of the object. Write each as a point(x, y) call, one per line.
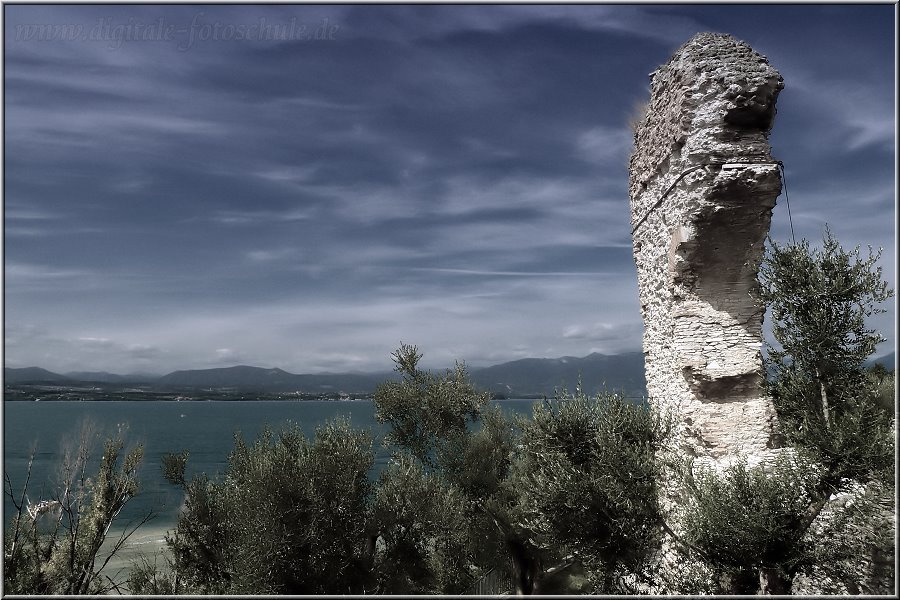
point(149, 541)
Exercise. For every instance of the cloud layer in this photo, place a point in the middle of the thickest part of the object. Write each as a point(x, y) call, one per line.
point(453, 177)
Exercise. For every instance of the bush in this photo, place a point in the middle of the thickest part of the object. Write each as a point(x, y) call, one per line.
point(589, 482)
point(288, 517)
point(57, 550)
point(748, 521)
point(423, 532)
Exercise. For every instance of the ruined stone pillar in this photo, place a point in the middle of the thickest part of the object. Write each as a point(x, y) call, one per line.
point(703, 184)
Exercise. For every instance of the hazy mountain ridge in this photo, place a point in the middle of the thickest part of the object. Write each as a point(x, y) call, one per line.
point(524, 377)
point(888, 361)
point(259, 378)
point(531, 376)
point(596, 372)
point(33, 375)
point(104, 377)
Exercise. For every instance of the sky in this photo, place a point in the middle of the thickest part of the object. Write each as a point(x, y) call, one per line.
point(306, 187)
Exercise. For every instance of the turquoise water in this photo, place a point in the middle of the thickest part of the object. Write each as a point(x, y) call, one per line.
point(205, 429)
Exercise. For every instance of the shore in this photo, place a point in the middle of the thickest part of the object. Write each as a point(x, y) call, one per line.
point(148, 542)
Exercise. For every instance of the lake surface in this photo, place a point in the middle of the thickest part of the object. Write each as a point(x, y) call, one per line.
point(205, 429)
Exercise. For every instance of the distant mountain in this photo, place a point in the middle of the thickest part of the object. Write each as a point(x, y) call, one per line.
point(271, 380)
point(530, 376)
point(33, 375)
point(525, 377)
point(616, 372)
point(888, 361)
point(240, 376)
point(343, 382)
point(104, 377)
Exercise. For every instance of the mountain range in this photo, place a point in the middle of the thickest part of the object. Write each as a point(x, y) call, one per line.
point(525, 377)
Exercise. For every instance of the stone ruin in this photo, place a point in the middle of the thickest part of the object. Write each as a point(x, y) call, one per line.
point(703, 184)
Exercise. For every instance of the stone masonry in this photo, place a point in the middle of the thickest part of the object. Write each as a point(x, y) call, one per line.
point(703, 184)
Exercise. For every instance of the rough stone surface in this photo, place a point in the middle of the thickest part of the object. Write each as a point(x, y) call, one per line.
point(703, 184)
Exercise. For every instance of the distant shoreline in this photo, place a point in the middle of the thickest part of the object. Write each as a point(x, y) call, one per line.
point(43, 393)
point(285, 400)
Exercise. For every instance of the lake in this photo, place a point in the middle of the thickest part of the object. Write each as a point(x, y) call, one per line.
point(205, 429)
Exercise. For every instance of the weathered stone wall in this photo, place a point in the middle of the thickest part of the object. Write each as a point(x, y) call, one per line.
point(703, 184)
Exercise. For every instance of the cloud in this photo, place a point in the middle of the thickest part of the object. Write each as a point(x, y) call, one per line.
point(606, 144)
point(420, 22)
point(262, 256)
point(450, 176)
point(24, 274)
point(287, 174)
point(35, 345)
point(483, 273)
point(227, 356)
point(606, 337)
point(861, 114)
point(26, 214)
point(256, 217)
point(22, 220)
point(95, 341)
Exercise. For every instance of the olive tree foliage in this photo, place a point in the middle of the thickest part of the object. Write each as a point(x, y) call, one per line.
point(59, 545)
point(748, 524)
point(543, 499)
point(289, 516)
point(424, 517)
point(539, 504)
point(427, 411)
point(422, 532)
point(588, 478)
point(883, 382)
point(443, 430)
point(826, 403)
point(859, 525)
point(295, 516)
point(760, 528)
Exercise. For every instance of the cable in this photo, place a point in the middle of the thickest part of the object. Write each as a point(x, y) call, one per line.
point(710, 164)
point(787, 200)
point(666, 193)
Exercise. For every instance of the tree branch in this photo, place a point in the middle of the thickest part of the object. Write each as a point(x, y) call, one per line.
point(683, 543)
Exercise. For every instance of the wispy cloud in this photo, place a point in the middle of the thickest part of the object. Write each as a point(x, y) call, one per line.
point(257, 217)
point(633, 20)
point(451, 176)
point(17, 273)
point(62, 353)
point(484, 273)
point(605, 145)
point(263, 256)
point(28, 214)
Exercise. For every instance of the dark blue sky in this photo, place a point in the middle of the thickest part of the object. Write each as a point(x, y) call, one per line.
point(449, 176)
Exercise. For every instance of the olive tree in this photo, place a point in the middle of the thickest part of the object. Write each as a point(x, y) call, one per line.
point(571, 489)
point(59, 545)
point(289, 516)
point(589, 479)
point(748, 524)
point(422, 532)
point(427, 411)
point(430, 417)
point(826, 403)
point(761, 527)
